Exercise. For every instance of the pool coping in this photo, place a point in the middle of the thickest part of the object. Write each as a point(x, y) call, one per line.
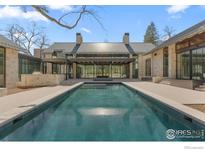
point(10, 116)
point(181, 108)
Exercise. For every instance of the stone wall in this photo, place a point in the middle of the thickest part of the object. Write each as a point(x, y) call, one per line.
point(142, 64)
point(157, 63)
point(3, 91)
point(12, 65)
point(172, 61)
point(39, 80)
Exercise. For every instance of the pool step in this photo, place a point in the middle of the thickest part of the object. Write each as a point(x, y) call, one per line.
point(201, 87)
point(165, 82)
point(94, 86)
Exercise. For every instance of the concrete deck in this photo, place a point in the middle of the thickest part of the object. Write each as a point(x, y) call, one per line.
point(180, 95)
point(174, 97)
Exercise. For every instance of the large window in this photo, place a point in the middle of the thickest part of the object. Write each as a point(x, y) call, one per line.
point(116, 71)
point(28, 64)
point(108, 70)
point(2, 67)
point(183, 65)
point(191, 64)
point(198, 64)
point(58, 69)
point(85, 71)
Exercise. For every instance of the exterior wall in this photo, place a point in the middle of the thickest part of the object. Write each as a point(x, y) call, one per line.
point(142, 64)
point(3, 91)
point(48, 55)
point(49, 68)
point(157, 63)
point(38, 80)
point(172, 61)
point(12, 68)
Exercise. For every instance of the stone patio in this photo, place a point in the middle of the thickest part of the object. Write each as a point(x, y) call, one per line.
point(174, 97)
point(12, 106)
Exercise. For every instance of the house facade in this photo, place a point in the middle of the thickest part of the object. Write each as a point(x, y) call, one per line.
point(15, 61)
point(96, 59)
point(181, 58)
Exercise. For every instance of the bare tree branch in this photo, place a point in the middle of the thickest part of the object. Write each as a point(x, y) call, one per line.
point(27, 38)
point(169, 31)
point(61, 22)
point(42, 42)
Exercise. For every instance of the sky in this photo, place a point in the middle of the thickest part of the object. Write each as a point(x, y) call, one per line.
point(116, 21)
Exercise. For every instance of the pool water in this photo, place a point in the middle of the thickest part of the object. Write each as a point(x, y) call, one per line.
point(105, 112)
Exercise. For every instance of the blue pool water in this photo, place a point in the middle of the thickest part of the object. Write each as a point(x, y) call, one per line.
point(100, 113)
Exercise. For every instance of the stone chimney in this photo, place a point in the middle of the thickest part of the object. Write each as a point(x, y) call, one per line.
point(79, 38)
point(126, 38)
point(37, 53)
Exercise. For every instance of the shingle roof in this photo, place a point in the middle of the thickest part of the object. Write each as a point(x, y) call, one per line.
point(9, 44)
point(198, 28)
point(142, 47)
point(66, 47)
point(100, 48)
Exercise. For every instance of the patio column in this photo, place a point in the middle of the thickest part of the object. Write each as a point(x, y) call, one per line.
point(49, 68)
point(74, 70)
point(172, 61)
point(130, 68)
point(141, 66)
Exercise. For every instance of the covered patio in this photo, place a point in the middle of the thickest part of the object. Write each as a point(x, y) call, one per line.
point(90, 67)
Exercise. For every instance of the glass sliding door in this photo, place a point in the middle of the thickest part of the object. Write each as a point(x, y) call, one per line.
point(198, 64)
point(183, 65)
point(89, 71)
point(191, 64)
point(103, 71)
point(116, 71)
point(125, 71)
point(99, 70)
point(2, 67)
point(106, 70)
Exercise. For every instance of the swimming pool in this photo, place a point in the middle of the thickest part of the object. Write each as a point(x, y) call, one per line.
point(100, 112)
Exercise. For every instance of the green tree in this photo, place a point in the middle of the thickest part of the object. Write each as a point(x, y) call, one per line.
point(151, 35)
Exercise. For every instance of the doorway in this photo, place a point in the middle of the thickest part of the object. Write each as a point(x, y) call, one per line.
point(103, 71)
